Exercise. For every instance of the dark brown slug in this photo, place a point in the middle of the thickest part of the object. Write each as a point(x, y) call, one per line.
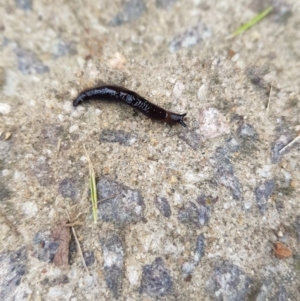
point(110, 92)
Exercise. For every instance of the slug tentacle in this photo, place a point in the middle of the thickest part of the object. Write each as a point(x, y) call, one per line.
point(110, 92)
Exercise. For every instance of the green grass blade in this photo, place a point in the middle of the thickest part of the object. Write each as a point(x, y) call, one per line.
point(252, 22)
point(93, 189)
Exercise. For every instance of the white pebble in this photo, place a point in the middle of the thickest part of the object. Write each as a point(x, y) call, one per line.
point(5, 108)
point(30, 209)
point(73, 128)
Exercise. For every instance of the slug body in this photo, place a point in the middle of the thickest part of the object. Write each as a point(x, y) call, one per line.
point(116, 93)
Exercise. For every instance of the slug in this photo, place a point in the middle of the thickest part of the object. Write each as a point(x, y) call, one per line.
point(110, 92)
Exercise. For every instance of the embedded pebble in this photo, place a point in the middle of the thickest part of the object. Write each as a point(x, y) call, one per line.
point(63, 48)
point(224, 172)
point(30, 209)
point(125, 206)
point(298, 227)
point(113, 256)
point(50, 134)
point(4, 149)
point(89, 257)
point(5, 108)
point(228, 282)
point(73, 128)
point(232, 145)
point(68, 188)
point(164, 4)
point(4, 192)
point(43, 172)
point(255, 75)
point(120, 137)
point(202, 92)
point(281, 295)
point(12, 269)
point(24, 4)
point(277, 146)
point(212, 123)
point(163, 206)
point(188, 267)
point(44, 247)
point(156, 280)
point(263, 193)
point(197, 215)
point(59, 293)
point(29, 63)
point(282, 11)
point(190, 37)
point(247, 131)
point(191, 138)
point(132, 9)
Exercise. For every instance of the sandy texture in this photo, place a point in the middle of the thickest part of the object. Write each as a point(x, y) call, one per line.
point(207, 212)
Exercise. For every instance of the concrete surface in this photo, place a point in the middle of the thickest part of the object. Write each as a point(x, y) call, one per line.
point(208, 212)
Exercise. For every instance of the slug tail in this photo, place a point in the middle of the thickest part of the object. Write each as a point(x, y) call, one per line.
point(78, 100)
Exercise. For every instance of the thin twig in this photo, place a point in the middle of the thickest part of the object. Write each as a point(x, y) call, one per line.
point(10, 224)
point(58, 147)
point(289, 144)
point(268, 105)
point(73, 224)
point(78, 245)
point(108, 198)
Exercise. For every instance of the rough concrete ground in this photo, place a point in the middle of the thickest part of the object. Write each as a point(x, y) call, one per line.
point(208, 212)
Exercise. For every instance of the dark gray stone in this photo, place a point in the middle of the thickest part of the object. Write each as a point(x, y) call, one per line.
point(43, 172)
point(191, 138)
point(255, 75)
point(24, 4)
point(224, 172)
point(44, 247)
point(247, 131)
point(4, 149)
point(4, 192)
point(12, 269)
point(190, 37)
point(68, 188)
point(165, 3)
point(282, 11)
point(232, 145)
point(263, 193)
point(163, 206)
point(120, 137)
point(29, 63)
point(298, 227)
point(131, 10)
point(189, 214)
point(197, 215)
point(156, 280)
point(281, 295)
point(113, 256)
point(125, 206)
point(63, 48)
point(228, 282)
point(89, 257)
point(50, 134)
point(277, 146)
point(189, 266)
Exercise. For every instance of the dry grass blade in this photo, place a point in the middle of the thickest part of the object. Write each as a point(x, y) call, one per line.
point(93, 187)
point(78, 244)
point(290, 144)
